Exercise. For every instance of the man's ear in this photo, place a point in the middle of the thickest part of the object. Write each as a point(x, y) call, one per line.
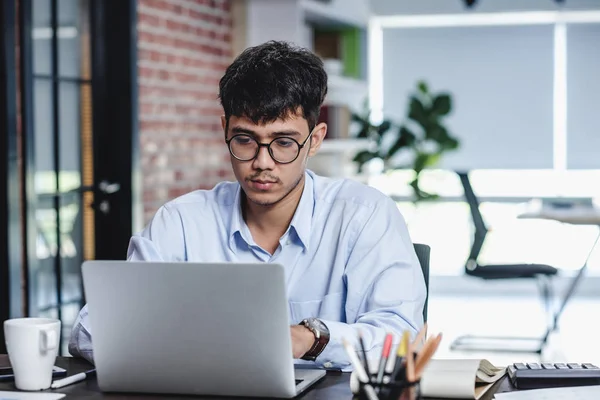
point(224, 125)
point(319, 133)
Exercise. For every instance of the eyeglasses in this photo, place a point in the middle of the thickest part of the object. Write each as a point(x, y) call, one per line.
point(283, 150)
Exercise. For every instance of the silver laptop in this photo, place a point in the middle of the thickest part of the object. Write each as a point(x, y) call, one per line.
point(192, 328)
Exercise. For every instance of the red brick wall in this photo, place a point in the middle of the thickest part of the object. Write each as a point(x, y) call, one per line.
point(184, 47)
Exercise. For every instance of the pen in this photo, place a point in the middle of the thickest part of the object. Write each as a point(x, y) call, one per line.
point(360, 371)
point(72, 379)
point(364, 351)
point(385, 353)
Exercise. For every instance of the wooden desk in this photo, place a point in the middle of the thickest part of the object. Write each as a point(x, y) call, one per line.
point(335, 386)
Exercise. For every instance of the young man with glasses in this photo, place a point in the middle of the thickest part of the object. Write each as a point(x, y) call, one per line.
point(350, 263)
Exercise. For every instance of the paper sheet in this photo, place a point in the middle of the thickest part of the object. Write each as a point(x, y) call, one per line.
point(570, 393)
point(30, 396)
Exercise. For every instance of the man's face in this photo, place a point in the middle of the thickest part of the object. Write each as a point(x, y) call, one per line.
point(264, 180)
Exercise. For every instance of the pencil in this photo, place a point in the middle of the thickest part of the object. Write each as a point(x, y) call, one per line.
point(426, 353)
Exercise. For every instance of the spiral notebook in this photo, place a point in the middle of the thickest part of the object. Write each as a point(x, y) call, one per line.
point(459, 378)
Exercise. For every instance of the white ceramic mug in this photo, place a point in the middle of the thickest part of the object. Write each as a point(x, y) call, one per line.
point(32, 345)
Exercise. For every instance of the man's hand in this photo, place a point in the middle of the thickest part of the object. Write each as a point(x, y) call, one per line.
point(302, 340)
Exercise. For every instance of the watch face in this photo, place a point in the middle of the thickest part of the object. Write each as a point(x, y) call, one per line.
point(318, 324)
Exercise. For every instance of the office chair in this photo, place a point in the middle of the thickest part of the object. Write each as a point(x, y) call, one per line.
point(423, 252)
point(539, 272)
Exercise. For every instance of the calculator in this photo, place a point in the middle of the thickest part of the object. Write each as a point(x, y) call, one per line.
point(534, 375)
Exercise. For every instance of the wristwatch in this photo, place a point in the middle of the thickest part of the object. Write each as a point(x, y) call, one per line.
point(321, 332)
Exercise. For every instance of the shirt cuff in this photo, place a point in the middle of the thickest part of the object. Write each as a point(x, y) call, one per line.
point(334, 355)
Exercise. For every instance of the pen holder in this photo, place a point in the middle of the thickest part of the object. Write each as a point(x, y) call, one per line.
point(394, 390)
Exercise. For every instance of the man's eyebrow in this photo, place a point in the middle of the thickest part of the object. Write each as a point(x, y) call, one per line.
point(287, 132)
point(239, 129)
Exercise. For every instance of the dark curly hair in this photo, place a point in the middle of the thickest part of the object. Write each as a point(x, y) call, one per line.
point(273, 80)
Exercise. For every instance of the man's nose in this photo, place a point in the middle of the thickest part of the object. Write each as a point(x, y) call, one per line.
point(263, 159)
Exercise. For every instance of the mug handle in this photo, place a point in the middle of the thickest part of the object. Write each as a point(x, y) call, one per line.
point(49, 339)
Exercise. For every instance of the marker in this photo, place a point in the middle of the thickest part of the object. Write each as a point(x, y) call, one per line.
point(72, 379)
point(402, 350)
point(385, 353)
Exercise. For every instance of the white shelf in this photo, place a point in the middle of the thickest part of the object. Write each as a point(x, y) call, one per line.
point(336, 12)
point(338, 82)
point(346, 91)
point(343, 145)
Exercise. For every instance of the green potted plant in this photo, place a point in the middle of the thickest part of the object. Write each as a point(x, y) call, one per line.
point(423, 135)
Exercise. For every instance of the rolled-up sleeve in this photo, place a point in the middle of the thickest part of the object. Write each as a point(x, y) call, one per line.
point(385, 288)
point(80, 342)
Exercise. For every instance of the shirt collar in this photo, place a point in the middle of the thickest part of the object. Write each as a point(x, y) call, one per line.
point(301, 222)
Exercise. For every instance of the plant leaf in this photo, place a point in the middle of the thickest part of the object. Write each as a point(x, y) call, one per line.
point(417, 111)
point(436, 132)
point(364, 131)
point(441, 104)
point(420, 162)
point(450, 143)
point(384, 127)
point(363, 156)
point(405, 138)
point(432, 159)
point(422, 86)
point(359, 118)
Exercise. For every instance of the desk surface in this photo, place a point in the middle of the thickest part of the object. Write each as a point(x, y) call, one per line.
point(333, 387)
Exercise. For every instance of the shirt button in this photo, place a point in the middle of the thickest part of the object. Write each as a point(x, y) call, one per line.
point(328, 364)
point(288, 242)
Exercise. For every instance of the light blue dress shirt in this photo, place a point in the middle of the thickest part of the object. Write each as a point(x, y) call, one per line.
point(347, 253)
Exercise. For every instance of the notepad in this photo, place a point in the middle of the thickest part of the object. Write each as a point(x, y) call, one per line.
point(7, 395)
point(459, 378)
point(570, 393)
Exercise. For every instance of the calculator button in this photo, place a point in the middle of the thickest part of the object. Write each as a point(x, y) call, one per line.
point(589, 366)
point(548, 366)
point(520, 366)
point(561, 366)
point(534, 366)
point(574, 366)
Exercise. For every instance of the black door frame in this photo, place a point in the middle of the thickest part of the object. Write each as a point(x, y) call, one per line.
point(116, 141)
point(10, 224)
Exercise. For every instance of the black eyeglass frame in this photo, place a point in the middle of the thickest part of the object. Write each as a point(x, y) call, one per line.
point(268, 146)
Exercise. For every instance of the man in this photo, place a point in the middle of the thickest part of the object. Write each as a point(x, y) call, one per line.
point(350, 264)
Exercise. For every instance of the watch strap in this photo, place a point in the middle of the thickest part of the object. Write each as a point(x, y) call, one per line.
point(321, 340)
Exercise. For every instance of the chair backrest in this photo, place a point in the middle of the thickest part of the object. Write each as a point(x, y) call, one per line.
point(423, 253)
point(481, 229)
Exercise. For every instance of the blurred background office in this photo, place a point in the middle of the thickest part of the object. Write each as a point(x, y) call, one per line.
point(109, 109)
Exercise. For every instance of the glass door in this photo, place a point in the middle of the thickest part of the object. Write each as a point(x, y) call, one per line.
point(63, 158)
point(78, 97)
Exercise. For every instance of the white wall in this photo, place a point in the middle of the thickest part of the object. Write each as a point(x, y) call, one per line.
point(583, 94)
point(275, 20)
point(501, 79)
